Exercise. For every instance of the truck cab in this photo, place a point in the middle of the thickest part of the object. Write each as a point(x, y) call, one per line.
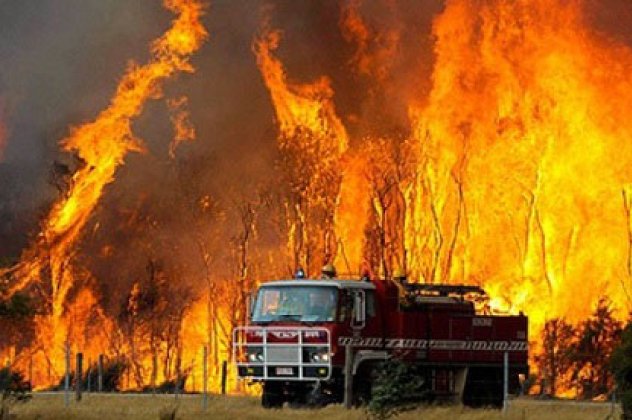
point(291, 344)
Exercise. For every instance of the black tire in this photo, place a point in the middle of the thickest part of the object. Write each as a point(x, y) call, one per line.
point(297, 396)
point(363, 385)
point(272, 396)
point(484, 388)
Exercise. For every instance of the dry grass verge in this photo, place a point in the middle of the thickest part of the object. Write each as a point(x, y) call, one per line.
point(121, 406)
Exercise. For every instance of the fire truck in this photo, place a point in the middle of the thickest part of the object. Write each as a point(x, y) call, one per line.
point(304, 334)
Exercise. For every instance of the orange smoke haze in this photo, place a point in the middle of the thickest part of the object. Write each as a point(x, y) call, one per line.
point(4, 134)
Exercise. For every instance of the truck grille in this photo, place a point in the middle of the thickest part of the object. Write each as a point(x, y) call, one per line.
point(287, 352)
point(282, 354)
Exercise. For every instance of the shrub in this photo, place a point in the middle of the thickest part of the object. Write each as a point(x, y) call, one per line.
point(14, 390)
point(621, 366)
point(113, 370)
point(398, 387)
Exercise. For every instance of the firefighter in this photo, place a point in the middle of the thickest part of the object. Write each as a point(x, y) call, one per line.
point(328, 272)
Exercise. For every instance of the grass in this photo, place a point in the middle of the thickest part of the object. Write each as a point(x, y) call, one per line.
point(113, 406)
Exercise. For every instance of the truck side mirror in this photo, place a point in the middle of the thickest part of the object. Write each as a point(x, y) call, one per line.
point(251, 304)
point(359, 309)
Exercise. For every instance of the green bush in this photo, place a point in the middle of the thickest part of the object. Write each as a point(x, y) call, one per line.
point(14, 389)
point(398, 387)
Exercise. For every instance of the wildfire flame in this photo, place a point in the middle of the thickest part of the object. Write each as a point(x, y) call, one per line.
point(299, 106)
point(520, 180)
point(511, 171)
point(312, 134)
point(101, 146)
point(527, 116)
point(184, 130)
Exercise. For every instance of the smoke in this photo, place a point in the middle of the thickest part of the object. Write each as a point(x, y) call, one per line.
point(3, 131)
point(60, 62)
point(611, 19)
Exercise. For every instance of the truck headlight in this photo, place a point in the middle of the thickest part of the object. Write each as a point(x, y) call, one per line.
point(319, 355)
point(254, 354)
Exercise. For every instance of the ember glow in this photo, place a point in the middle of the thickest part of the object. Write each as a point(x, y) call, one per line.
point(489, 147)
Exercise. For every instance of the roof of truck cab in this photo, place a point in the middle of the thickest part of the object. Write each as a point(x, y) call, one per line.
point(341, 284)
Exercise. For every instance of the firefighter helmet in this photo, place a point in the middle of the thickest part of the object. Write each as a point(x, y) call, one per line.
point(328, 271)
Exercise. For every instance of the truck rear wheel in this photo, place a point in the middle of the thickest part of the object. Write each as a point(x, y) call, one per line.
point(272, 396)
point(484, 388)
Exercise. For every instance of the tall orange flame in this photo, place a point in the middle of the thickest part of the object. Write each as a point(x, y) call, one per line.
point(101, 146)
point(184, 130)
point(314, 138)
point(524, 187)
point(521, 178)
point(299, 106)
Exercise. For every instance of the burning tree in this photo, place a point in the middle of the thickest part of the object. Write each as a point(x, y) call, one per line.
point(391, 172)
point(153, 314)
point(556, 359)
point(101, 147)
point(597, 338)
point(621, 366)
point(311, 142)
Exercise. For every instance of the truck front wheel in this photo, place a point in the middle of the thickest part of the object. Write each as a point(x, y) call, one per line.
point(272, 396)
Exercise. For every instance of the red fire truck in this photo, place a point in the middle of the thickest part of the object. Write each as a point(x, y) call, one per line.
point(296, 341)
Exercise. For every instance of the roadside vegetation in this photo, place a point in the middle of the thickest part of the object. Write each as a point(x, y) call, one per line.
point(126, 406)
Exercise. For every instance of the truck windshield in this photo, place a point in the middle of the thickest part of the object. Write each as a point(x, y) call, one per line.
point(296, 303)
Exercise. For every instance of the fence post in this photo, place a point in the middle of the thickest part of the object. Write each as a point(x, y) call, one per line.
point(348, 397)
point(205, 378)
point(505, 382)
point(613, 402)
point(89, 376)
point(78, 376)
point(176, 388)
point(100, 374)
point(224, 374)
point(31, 372)
point(67, 377)
point(154, 368)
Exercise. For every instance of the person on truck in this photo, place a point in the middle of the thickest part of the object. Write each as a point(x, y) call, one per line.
point(328, 272)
